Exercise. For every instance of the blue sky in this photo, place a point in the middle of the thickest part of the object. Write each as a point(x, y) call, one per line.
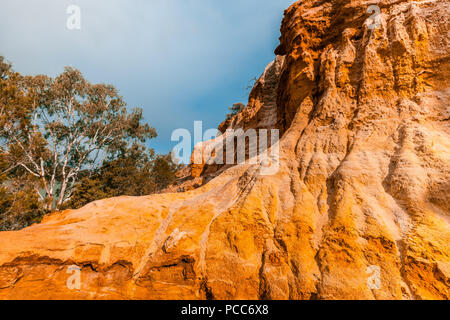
point(178, 60)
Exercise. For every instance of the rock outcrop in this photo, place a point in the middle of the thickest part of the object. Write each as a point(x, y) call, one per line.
point(260, 113)
point(362, 187)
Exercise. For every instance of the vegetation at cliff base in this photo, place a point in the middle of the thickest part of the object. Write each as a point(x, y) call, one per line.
point(235, 109)
point(65, 142)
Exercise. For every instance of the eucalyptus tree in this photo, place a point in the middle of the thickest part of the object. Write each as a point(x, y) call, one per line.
point(69, 126)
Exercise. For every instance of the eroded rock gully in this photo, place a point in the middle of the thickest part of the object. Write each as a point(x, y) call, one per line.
point(363, 181)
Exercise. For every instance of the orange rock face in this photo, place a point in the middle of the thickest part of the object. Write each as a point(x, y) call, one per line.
point(359, 208)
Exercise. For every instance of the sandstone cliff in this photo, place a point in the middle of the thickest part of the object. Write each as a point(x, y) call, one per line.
point(363, 181)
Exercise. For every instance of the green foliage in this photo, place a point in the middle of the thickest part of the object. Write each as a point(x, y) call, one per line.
point(4, 68)
point(126, 175)
point(235, 109)
point(68, 126)
point(19, 205)
point(163, 170)
point(132, 174)
point(251, 83)
point(65, 142)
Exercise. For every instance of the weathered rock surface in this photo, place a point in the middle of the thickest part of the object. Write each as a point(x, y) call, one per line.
point(363, 181)
point(260, 113)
